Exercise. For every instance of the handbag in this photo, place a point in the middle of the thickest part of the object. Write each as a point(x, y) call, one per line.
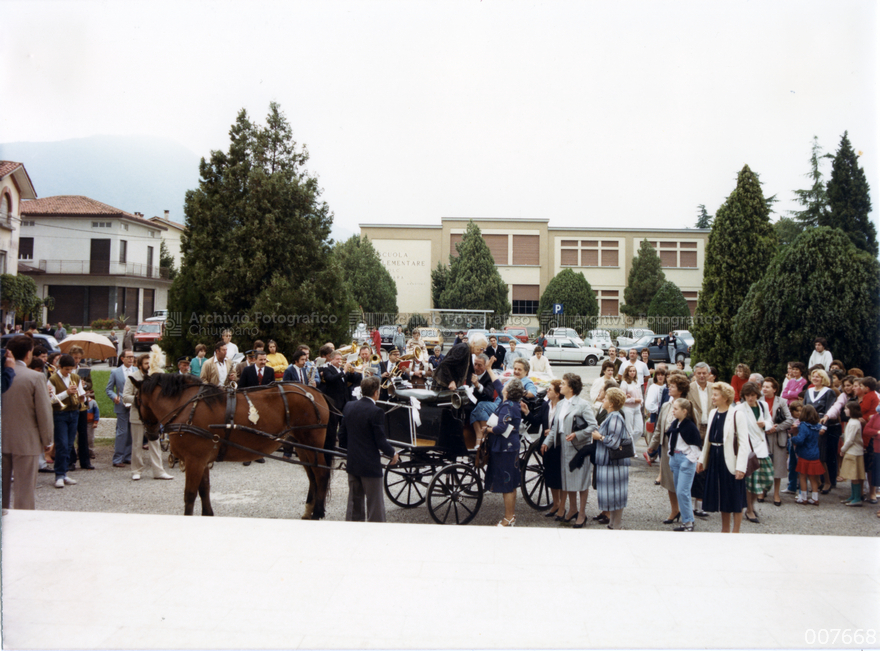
point(754, 463)
point(626, 451)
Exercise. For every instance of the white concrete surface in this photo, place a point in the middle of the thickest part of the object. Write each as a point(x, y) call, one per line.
point(100, 581)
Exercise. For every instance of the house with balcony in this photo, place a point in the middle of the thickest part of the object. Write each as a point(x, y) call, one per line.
point(15, 187)
point(95, 260)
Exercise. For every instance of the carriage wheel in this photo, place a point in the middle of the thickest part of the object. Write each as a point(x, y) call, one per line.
point(455, 494)
point(407, 487)
point(534, 489)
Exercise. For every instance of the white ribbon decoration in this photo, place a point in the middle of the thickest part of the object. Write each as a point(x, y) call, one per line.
point(416, 406)
point(469, 390)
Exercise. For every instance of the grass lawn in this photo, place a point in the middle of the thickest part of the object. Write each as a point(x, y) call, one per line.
point(99, 383)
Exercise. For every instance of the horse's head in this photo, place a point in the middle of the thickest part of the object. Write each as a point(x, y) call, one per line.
point(145, 404)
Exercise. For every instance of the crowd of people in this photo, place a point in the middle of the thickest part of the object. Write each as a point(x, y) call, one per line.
point(719, 446)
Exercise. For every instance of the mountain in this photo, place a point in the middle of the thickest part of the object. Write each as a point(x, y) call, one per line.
point(133, 173)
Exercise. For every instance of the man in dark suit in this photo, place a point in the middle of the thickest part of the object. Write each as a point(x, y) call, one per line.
point(257, 374)
point(386, 369)
point(363, 435)
point(335, 379)
point(297, 372)
point(480, 380)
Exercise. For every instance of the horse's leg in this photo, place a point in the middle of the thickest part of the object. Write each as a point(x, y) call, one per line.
point(194, 474)
point(307, 457)
point(321, 478)
point(205, 492)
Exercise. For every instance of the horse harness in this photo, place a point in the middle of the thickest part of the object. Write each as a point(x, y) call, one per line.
point(230, 425)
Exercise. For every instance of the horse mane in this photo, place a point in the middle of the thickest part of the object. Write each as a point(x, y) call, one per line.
point(174, 384)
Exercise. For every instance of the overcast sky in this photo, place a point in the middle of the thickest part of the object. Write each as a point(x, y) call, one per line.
point(586, 113)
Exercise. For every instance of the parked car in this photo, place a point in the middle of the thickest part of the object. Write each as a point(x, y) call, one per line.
point(163, 314)
point(685, 335)
point(631, 336)
point(48, 342)
point(520, 332)
point(563, 350)
point(147, 334)
point(432, 337)
point(477, 331)
point(387, 333)
point(566, 333)
point(598, 339)
point(658, 351)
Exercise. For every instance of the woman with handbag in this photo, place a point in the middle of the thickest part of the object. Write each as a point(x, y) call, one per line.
point(614, 449)
point(653, 401)
point(757, 418)
point(570, 431)
point(544, 417)
point(777, 435)
point(725, 459)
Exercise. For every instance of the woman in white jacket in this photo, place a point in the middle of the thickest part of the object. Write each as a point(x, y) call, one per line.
point(725, 463)
point(758, 420)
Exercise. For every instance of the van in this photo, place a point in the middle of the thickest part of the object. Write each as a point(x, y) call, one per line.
point(598, 339)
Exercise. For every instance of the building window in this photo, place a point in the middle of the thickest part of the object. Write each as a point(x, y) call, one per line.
point(677, 254)
point(27, 223)
point(149, 262)
point(454, 240)
point(101, 224)
point(691, 298)
point(123, 251)
point(591, 253)
point(26, 248)
point(498, 248)
point(125, 227)
point(609, 301)
point(526, 299)
point(526, 250)
point(2, 262)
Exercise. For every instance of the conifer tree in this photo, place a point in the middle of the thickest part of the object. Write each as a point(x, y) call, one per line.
point(256, 253)
point(366, 279)
point(473, 282)
point(741, 244)
point(669, 309)
point(166, 262)
point(704, 219)
point(645, 279)
point(439, 277)
point(849, 199)
point(573, 291)
point(814, 199)
point(819, 286)
point(787, 230)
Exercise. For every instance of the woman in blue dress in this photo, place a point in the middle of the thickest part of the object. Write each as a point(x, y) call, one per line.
point(502, 472)
point(612, 475)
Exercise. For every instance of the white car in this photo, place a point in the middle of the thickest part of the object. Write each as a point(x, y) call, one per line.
point(685, 336)
point(599, 339)
point(567, 333)
point(632, 335)
point(562, 350)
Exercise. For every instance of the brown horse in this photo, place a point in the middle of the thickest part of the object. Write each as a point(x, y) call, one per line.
point(187, 407)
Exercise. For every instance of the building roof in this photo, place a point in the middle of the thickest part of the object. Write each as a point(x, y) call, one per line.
point(168, 223)
point(20, 178)
point(79, 206)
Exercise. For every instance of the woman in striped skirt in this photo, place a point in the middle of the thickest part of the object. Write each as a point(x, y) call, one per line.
point(757, 417)
point(612, 477)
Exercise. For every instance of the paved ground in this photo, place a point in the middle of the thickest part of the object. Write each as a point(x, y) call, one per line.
point(278, 490)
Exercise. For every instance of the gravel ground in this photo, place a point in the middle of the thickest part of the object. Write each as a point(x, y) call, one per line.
point(277, 490)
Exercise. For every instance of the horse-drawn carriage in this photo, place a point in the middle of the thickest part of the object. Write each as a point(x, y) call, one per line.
point(438, 456)
point(439, 460)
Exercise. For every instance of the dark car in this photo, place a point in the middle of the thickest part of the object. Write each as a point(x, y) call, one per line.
point(657, 349)
point(387, 333)
point(48, 342)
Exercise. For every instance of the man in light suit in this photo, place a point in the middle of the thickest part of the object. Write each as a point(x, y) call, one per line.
point(363, 434)
point(28, 427)
point(217, 369)
point(115, 389)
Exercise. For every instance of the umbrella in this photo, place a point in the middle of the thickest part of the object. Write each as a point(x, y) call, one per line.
point(94, 346)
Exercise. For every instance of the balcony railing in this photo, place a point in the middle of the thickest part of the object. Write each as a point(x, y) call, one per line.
point(102, 268)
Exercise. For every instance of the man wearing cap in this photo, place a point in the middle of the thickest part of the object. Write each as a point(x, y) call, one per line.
point(183, 365)
point(249, 359)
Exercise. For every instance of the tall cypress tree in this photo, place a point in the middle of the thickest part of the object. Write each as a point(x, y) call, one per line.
point(256, 250)
point(849, 199)
point(645, 279)
point(741, 244)
point(704, 219)
point(366, 278)
point(815, 198)
point(473, 282)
